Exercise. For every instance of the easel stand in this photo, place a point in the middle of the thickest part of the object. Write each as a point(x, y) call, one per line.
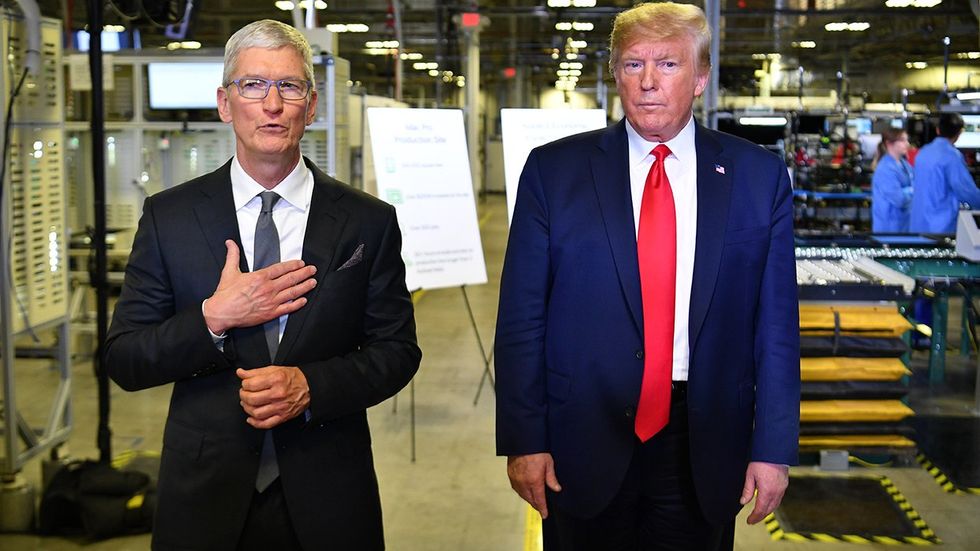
point(487, 359)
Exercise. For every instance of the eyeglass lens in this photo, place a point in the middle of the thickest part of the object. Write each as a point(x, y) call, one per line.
point(258, 88)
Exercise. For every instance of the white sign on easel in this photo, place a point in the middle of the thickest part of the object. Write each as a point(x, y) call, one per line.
point(524, 129)
point(423, 169)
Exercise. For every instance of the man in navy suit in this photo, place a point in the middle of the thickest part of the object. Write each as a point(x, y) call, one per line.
point(266, 444)
point(647, 337)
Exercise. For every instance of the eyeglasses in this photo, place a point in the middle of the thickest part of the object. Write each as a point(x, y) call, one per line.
point(258, 88)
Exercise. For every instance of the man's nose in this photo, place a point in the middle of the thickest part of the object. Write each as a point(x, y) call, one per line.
point(273, 101)
point(648, 78)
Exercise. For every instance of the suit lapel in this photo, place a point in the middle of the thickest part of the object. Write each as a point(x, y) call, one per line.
point(610, 173)
point(715, 172)
point(323, 231)
point(216, 214)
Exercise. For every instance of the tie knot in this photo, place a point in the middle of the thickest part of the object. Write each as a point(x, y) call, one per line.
point(269, 200)
point(660, 152)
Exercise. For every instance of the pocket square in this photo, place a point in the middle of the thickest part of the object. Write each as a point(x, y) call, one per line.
point(354, 259)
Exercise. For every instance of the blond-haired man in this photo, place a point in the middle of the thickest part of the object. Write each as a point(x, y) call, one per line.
point(647, 346)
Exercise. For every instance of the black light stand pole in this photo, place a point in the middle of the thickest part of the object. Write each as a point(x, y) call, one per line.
point(104, 438)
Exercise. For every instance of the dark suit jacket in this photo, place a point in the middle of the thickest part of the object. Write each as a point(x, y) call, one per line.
point(354, 341)
point(569, 342)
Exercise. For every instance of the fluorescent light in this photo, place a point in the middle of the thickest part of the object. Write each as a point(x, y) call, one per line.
point(762, 121)
point(583, 3)
point(381, 44)
point(855, 26)
point(968, 55)
point(347, 28)
point(411, 56)
point(570, 65)
point(285, 5)
point(578, 44)
point(805, 44)
point(433, 73)
point(559, 3)
point(967, 96)
point(916, 65)
point(912, 3)
point(574, 26)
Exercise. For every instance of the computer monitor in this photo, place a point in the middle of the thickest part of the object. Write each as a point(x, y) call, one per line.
point(187, 85)
point(970, 138)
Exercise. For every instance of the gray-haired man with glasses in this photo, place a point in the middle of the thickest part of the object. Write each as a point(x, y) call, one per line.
point(273, 298)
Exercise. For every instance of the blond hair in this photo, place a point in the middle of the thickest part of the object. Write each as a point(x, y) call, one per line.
point(655, 22)
point(268, 34)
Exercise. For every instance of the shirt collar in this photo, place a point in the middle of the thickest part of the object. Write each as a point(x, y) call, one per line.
point(244, 188)
point(681, 145)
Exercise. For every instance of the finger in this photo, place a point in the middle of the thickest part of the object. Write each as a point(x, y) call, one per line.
point(757, 514)
point(293, 292)
point(289, 307)
point(262, 412)
point(535, 490)
point(269, 423)
point(280, 269)
point(747, 490)
point(231, 258)
point(550, 479)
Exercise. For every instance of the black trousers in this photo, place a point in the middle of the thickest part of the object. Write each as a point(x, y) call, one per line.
point(655, 509)
point(268, 525)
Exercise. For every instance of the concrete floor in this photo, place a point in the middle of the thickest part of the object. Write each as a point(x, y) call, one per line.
point(455, 496)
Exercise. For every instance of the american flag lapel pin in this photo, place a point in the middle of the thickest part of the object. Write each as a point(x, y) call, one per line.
point(719, 169)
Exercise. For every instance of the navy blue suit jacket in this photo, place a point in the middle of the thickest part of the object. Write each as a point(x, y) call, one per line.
point(570, 326)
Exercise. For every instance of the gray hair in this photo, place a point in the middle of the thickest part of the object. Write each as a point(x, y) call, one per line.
point(268, 34)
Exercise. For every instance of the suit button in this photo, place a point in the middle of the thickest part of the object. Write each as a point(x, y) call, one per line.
point(630, 412)
point(639, 354)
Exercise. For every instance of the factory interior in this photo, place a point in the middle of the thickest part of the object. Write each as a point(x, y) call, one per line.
point(889, 443)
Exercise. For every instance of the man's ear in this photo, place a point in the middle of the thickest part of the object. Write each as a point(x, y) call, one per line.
point(701, 83)
point(311, 108)
point(224, 110)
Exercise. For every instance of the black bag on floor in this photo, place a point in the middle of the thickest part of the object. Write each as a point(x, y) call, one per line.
point(93, 500)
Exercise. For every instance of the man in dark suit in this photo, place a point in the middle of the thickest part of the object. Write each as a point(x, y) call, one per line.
point(647, 347)
point(266, 445)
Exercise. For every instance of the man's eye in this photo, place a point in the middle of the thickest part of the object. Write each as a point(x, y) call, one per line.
point(288, 85)
point(253, 84)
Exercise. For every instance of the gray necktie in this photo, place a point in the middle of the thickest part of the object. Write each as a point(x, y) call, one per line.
point(267, 254)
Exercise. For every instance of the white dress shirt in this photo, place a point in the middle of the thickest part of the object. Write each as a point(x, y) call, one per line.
point(681, 167)
point(289, 213)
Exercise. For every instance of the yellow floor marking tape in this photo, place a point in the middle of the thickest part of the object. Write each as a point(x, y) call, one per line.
point(941, 478)
point(532, 530)
point(925, 537)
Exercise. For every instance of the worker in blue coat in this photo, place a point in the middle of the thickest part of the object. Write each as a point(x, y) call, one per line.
point(891, 184)
point(942, 181)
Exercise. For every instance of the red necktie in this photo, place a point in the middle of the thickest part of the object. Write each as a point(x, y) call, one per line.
point(656, 249)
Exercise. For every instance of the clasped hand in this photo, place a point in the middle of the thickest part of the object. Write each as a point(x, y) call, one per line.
point(273, 395)
point(253, 298)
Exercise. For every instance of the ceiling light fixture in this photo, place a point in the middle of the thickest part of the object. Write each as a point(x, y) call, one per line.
point(347, 28)
point(805, 44)
point(381, 44)
point(762, 121)
point(968, 55)
point(912, 3)
point(916, 65)
point(854, 26)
